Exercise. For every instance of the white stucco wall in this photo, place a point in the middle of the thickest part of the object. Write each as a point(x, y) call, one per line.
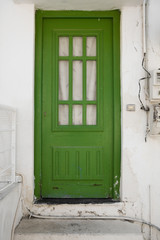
point(140, 185)
point(138, 167)
point(17, 79)
point(154, 148)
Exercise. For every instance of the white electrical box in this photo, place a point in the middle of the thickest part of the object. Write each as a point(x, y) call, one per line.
point(154, 86)
point(155, 119)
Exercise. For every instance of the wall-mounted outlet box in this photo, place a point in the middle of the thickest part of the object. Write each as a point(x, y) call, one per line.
point(155, 119)
point(154, 86)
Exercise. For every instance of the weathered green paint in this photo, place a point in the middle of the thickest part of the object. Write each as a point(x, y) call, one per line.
point(88, 164)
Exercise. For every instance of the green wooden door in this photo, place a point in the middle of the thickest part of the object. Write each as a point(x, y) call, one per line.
point(77, 108)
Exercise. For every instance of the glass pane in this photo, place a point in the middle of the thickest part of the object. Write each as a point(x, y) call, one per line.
point(91, 114)
point(63, 114)
point(77, 46)
point(77, 80)
point(63, 80)
point(91, 46)
point(91, 80)
point(63, 46)
point(77, 115)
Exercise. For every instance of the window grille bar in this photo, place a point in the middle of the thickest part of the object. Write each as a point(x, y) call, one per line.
point(4, 170)
point(7, 130)
point(8, 143)
point(13, 144)
point(5, 187)
point(6, 150)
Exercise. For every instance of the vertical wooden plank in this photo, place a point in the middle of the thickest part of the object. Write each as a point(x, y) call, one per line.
point(38, 104)
point(117, 105)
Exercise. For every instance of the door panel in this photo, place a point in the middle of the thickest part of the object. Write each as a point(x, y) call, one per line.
point(77, 104)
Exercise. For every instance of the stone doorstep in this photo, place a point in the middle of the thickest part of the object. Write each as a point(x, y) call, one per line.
point(61, 229)
point(82, 210)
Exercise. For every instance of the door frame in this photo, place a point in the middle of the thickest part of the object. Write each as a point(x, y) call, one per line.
point(40, 16)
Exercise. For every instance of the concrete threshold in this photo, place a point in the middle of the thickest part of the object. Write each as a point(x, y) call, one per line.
point(61, 229)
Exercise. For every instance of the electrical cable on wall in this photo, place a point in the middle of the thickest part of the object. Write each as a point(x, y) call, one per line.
point(143, 107)
point(139, 83)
